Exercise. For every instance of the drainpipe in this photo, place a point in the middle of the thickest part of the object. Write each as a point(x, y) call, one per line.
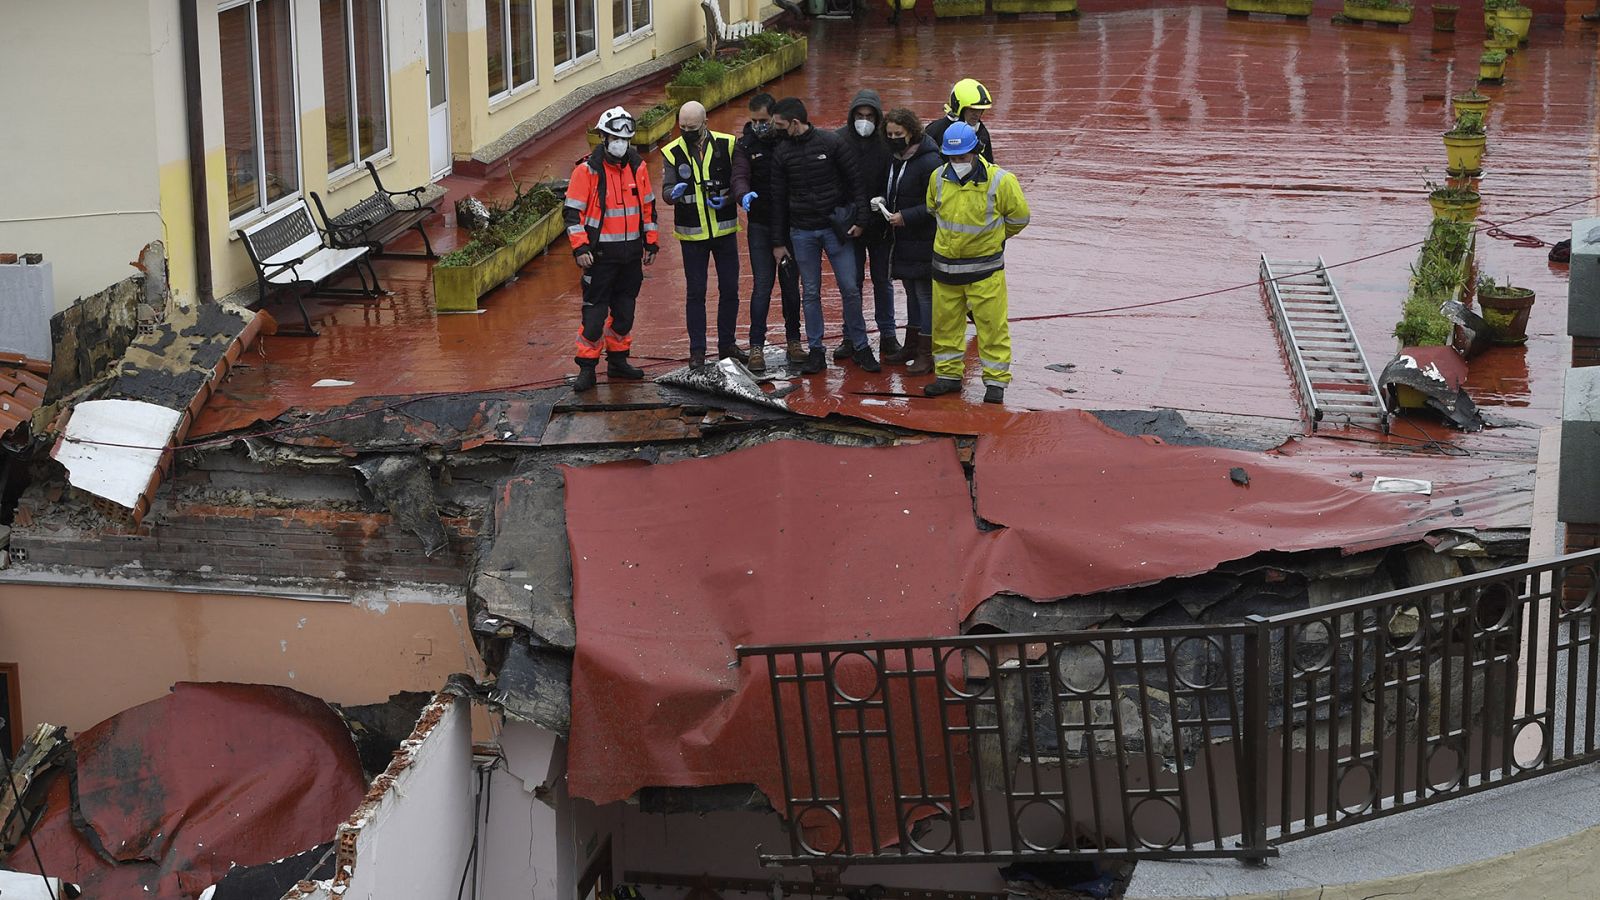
point(195, 115)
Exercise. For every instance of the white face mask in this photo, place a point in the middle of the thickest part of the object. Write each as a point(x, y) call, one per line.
point(617, 147)
point(962, 170)
point(864, 127)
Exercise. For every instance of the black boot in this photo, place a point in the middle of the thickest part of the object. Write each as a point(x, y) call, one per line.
point(732, 351)
point(815, 362)
point(994, 393)
point(844, 351)
point(585, 379)
point(941, 386)
point(865, 359)
point(617, 367)
point(697, 360)
point(892, 352)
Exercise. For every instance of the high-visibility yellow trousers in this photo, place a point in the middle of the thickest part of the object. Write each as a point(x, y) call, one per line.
point(986, 300)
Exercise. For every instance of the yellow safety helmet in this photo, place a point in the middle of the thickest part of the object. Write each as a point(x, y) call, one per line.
point(969, 93)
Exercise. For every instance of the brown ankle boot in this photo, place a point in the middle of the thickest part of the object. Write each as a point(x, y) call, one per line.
point(922, 362)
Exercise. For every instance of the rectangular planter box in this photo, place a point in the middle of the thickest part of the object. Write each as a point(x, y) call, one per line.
point(1373, 14)
point(457, 288)
point(647, 136)
point(958, 9)
point(1014, 7)
point(1301, 8)
point(746, 78)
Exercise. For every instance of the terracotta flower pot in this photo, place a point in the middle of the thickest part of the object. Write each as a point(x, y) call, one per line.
point(1506, 311)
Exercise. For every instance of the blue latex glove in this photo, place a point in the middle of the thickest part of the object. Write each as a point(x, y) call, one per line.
point(717, 202)
point(746, 200)
point(678, 190)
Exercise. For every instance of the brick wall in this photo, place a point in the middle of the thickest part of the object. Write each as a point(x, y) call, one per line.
point(220, 541)
point(1585, 352)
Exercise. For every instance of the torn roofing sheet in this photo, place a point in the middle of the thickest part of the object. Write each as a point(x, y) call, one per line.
point(1086, 509)
point(182, 788)
point(113, 448)
point(671, 571)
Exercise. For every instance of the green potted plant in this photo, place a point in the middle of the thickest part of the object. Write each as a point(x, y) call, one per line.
point(1516, 18)
point(1465, 142)
point(649, 126)
point(1492, 66)
point(1505, 309)
point(1388, 12)
point(515, 233)
point(1470, 102)
point(1491, 11)
point(1444, 16)
point(955, 9)
point(1297, 9)
point(1455, 204)
point(764, 57)
point(1500, 38)
point(1012, 8)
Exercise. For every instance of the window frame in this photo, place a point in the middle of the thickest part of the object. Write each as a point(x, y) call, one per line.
point(637, 31)
point(512, 87)
point(263, 207)
point(358, 161)
point(573, 59)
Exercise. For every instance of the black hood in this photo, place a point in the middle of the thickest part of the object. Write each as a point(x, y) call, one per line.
point(865, 97)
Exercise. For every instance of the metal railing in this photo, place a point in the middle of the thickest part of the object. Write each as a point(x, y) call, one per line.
point(1206, 741)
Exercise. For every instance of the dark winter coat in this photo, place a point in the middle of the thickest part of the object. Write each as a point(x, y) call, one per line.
point(936, 131)
point(912, 257)
point(872, 155)
point(752, 171)
point(811, 175)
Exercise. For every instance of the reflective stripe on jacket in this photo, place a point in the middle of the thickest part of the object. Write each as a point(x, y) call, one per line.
point(711, 175)
point(974, 219)
point(610, 203)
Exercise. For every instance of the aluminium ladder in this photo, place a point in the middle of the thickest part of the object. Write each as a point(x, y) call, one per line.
point(1324, 354)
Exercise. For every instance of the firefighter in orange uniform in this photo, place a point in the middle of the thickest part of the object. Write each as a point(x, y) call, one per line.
point(611, 220)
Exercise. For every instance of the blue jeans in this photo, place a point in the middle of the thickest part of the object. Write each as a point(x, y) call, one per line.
point(696, 257)
point(764, 269)
point(808, 249)
point(877, 254)
point(919, 304)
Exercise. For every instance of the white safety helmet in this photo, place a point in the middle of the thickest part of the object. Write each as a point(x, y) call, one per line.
point(616, 122)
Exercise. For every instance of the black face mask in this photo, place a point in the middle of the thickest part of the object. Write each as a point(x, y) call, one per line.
point(761, 129)
point(899, 144)
point(691, 134)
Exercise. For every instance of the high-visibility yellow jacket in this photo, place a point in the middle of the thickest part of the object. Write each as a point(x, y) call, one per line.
point(975, 217)
point(710, 175)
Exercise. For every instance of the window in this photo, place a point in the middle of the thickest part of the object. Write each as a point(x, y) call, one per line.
point(509, 31)
point(258, 104)
point(11, 724)
point(573, 34)
point(629, 16)
point(355, 85)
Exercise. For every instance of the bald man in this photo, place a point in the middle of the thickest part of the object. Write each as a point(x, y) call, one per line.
point(697, 178)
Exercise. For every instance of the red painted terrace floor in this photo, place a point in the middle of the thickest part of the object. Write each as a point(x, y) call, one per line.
point(1162, 150)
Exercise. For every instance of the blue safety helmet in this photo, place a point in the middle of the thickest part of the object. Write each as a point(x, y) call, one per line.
point(959, 138)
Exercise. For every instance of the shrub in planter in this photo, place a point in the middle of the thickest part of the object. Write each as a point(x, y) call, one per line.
point(1390, 12)
point(1505, 309)
point(1444, 16)
point(1470, 102)
point(514, 233)
point(1517, 19)
point(1500, 38)
point(1464, 144)
point(1438, 276)
point(1299, 9)
point(1491, 11)
point(1457, 204)
point(1492, 66)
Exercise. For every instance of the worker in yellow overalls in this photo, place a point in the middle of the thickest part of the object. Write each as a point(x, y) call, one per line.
point(977, 207)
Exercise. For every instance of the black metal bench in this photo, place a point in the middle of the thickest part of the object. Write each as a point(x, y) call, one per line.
point(289, 253)
point(378, 219)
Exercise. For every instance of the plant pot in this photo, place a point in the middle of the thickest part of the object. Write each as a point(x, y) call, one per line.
point(1454, 209)
point(1444, 17)
point(1506, 312)
point(956, 9)
point(745, 78)
point(1465, 153)
point(1016, 7)
point(1472, 102)
point(1299, 9)
point(457, 288)
point(1508, 44)
point(645, 136)
point(1493, 72)
point(1518, 20)
point(1390, 16)
point(1410, 397)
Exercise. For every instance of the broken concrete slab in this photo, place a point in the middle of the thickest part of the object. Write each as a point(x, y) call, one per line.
point(525, 575)
point(535, 685)
point(403, 484)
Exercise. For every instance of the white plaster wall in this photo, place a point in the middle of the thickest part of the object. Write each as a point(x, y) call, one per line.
point(78, 144)
point(520, 843)
point(415, 844)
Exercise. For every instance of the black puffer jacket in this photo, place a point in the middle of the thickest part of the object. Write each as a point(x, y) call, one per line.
point(912, 257)
point(752, 171)
point(872, 155)
point(811, 175)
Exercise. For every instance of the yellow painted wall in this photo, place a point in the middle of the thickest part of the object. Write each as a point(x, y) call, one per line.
point(86, 653)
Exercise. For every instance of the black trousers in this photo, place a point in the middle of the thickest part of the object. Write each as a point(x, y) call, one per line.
point(610, 292)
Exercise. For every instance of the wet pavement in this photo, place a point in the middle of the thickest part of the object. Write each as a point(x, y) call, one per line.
point(1162, 151)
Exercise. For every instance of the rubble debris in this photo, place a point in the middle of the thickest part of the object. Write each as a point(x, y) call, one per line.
point(45, 748)
point(400, 424)
point(271, 880)
point(525, 574)
point(113, 448)
point(403, 484)
point(534, 684)
point(728, 378)
point(1239, 476)
point(1439, 375)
